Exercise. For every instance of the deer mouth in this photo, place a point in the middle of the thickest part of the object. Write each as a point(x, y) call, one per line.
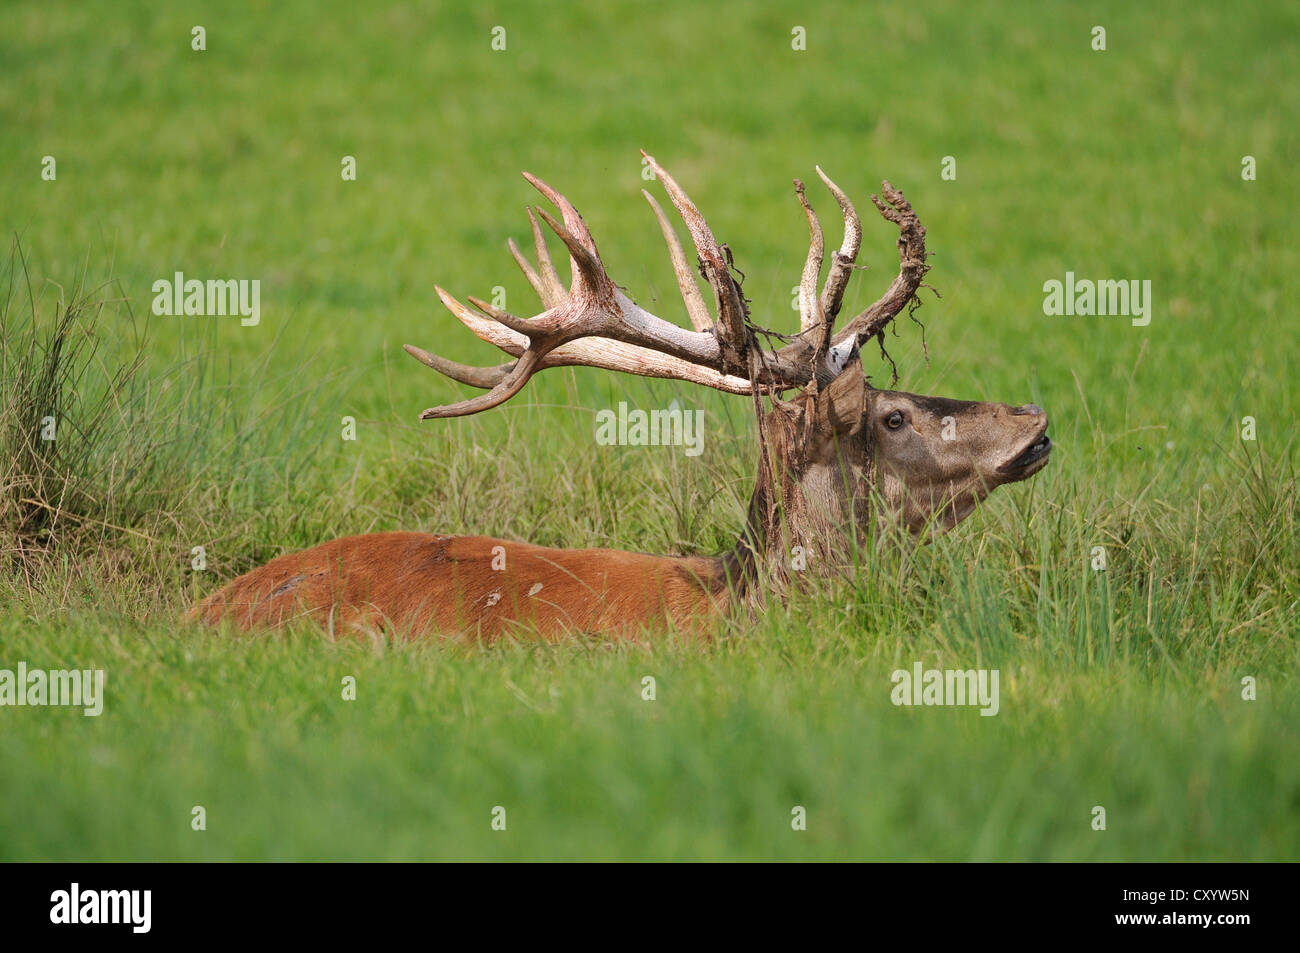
point(1031, 458)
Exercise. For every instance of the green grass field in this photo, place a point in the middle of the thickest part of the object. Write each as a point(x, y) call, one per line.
point(1121, 689)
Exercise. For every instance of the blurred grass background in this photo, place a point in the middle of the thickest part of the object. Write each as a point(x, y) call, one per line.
point(226, 163)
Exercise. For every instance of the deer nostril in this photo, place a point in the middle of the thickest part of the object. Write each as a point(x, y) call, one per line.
point(1028, 409)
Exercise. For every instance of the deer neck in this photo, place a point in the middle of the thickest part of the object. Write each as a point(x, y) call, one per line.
point(810, 504)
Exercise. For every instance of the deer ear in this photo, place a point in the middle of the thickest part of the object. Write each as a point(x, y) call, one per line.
point(841, 406)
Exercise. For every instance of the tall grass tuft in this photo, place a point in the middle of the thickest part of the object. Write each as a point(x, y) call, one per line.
point(111, 471)
point(82, 463)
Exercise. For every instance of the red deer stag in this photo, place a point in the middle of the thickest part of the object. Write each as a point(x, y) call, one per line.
point(837, 457)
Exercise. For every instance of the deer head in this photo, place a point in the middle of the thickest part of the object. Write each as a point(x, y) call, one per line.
point(837, 454)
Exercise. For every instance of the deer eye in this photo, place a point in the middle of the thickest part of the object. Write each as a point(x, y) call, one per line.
point(894, 420)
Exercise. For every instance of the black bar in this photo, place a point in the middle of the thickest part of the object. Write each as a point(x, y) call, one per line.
point(329, 902)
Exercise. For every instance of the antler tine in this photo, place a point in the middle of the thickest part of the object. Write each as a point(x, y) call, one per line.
point(837, 278)
point(588, 273)
point(502, 391)
point(485, 377)
point(811, 315)
point(513, 322)
point(545, 280)
point(695, 308)
point(584, 259)
point(545, 266)
point(511, 341)
point(533, 277)
point(911, 270)
point(572, 219)
point(731, 304)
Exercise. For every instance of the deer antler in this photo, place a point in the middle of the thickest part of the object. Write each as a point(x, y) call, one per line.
point(587, 352)
point(911, 270)
point(816, 344)
point(732, 312)
point(595, 324)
